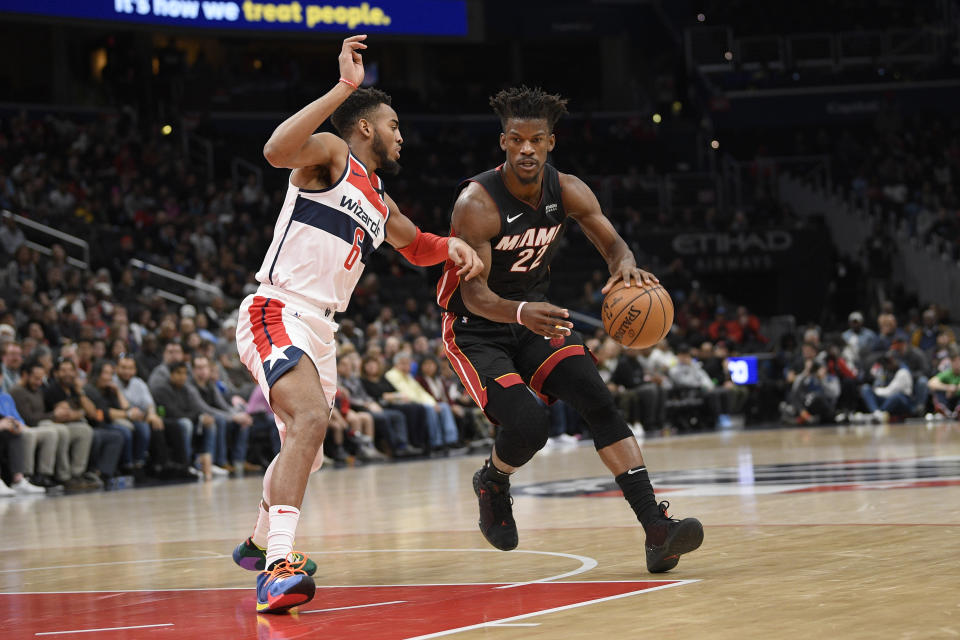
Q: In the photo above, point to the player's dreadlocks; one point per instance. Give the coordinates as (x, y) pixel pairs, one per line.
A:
(360, 104)
(525, 103)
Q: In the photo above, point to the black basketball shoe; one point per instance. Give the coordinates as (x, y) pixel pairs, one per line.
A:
(666, 542)
(496, 511)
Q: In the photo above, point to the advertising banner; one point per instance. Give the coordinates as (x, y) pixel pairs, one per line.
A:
(399, 17)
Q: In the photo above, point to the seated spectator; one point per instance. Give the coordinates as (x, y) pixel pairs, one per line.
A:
(385, 394)
(857, 337)
(887, 333)
(891, 392)
(813, 393)
(360, 430)
(641, 401)
(11, 440)
(945, 387)
(180, 406)
(441, 424)
(713, 358)
(688, 375)
(444, 390)
(144, 409)
(12, 359)
(390, 422)
(925, 336)
(115, 414)
(724, 328)
(148, 357)
(72, 440)
(172, 353)
(64, 396)
(232, 424)
(39, 443)
(751, 340)
(264, 428)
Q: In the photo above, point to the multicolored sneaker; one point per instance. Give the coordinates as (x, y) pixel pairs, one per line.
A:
(284, 586)
(665, 544)
(253, 558)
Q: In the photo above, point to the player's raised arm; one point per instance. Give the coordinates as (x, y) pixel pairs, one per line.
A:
(476, 222)
(293, 144)
(582, 205)
(425, 249)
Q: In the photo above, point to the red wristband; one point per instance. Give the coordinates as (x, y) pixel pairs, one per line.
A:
(349, 83)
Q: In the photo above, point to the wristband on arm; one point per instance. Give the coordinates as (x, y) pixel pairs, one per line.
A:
(519, 309)
(425, 250)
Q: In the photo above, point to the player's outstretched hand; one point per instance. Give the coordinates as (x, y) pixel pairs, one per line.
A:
(351, 62)
(464, 257)
(629, 274)
(546, 319)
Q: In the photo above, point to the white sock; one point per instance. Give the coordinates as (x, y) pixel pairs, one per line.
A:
(283, 526)
(259, 536)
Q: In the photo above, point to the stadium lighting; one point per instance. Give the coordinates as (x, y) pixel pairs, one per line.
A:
(166, 129)
(657, 119)
(714, 144)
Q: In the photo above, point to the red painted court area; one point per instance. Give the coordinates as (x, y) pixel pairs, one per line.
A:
(372, 613)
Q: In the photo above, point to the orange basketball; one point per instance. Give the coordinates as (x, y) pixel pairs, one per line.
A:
(637, 316)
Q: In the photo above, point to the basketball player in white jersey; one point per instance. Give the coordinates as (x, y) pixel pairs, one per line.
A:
(335, 214)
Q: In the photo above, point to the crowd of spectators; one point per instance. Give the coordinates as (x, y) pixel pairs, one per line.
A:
(104, 377)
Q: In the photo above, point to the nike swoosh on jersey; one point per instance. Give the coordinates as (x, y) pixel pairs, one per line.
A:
(512, 218)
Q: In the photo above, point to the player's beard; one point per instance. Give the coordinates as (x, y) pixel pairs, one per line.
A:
(534, 179)
(387, 164)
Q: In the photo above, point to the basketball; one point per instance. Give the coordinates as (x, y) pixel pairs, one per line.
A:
(638, 316)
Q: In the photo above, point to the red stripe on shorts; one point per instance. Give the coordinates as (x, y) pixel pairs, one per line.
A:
(545, 369)
(461, 364)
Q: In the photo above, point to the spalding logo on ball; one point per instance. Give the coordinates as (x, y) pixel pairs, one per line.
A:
(637, 316)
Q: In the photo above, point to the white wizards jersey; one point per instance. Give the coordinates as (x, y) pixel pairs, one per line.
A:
(323, 237)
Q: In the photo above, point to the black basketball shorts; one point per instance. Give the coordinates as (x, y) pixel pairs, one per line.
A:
(484, 353)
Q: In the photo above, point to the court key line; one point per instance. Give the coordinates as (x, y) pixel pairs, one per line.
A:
(495, 623)
(142, 626)
(586, 563)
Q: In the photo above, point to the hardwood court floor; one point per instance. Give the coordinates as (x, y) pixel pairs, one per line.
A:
(833, 532)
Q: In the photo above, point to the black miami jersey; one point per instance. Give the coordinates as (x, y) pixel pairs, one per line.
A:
(521, 253)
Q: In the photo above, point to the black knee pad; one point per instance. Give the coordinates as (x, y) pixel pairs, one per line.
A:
(577, 382)
(524, 423)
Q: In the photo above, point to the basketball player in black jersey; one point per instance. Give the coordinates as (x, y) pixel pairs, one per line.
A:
(502, 336)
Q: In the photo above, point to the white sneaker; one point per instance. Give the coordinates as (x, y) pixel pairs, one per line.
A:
(5, 491)
(566, 438)
(25, 487)
(218, 471)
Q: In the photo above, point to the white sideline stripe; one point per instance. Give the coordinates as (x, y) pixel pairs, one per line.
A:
(142, 626)
(540, 613)
(513, 624)
(356, 606)
(105, 564)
